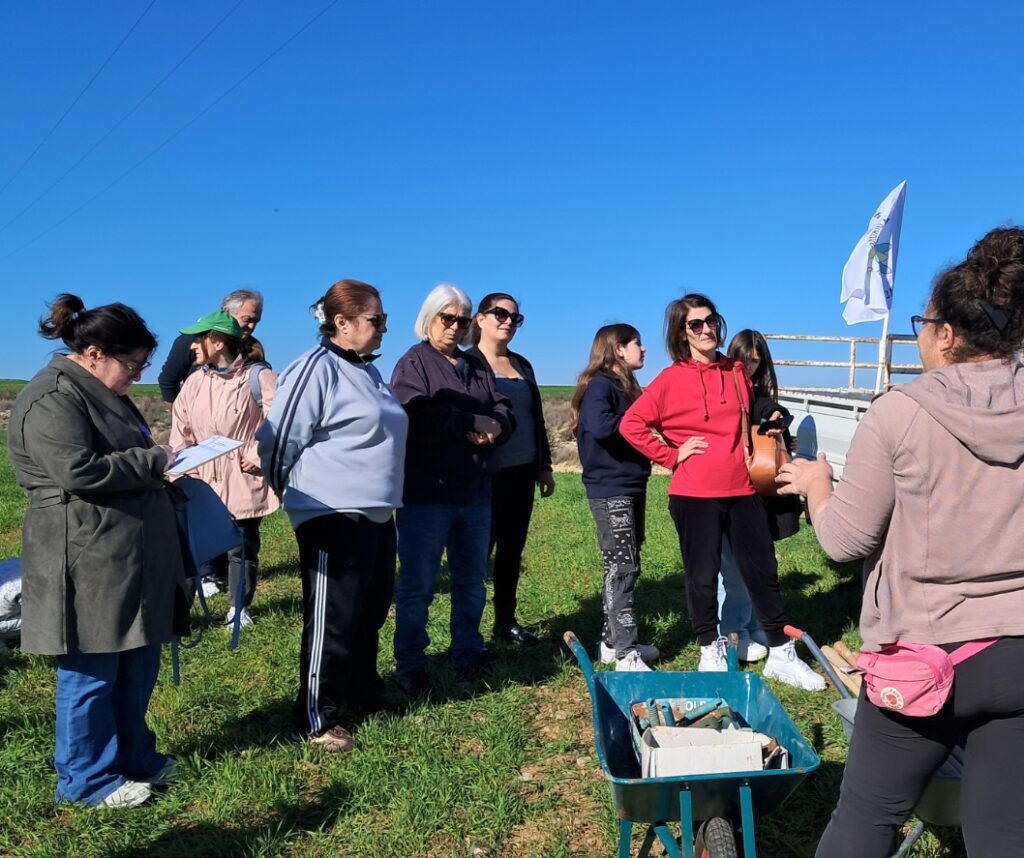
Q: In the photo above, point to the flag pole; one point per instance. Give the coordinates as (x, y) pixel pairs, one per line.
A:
(882, 351)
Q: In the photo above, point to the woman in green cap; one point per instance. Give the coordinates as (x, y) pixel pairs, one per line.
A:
(229, 395)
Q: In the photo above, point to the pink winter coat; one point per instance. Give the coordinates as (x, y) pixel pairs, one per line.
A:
(221, 403)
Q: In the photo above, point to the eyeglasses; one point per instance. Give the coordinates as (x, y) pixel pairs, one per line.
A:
(502, 315)
(915, 321)
(379, 321)
(697, 325)
(461, 322)
(132, 367)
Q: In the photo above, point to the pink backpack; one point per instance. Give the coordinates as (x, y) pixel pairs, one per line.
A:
(913, 679)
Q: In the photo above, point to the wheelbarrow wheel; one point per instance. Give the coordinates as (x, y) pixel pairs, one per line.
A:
(715, 839)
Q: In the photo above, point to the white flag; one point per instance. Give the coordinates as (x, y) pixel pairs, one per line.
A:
(870, 272)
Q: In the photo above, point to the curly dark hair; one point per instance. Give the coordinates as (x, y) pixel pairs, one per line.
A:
(982, 298)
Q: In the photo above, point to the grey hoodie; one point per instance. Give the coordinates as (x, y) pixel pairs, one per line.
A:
(932, 497)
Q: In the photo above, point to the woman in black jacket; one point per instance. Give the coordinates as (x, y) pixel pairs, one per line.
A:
(457, 418)
(523, 461)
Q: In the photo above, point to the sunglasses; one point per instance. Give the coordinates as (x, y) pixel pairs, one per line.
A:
(917, 321)
(697, 325)
(379, 321)
(132, 367)
(461, 322)
(502, 315)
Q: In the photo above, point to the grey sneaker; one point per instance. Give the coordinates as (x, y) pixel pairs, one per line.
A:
(166, 776)
(129, 794)
(336, 740)
(648, 652)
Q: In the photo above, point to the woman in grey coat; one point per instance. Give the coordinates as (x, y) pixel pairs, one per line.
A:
(102, 564)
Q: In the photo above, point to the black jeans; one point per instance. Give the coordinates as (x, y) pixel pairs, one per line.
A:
(893, 756)
(348, 577)
(512, 494)
(701, 523)
(620, 534)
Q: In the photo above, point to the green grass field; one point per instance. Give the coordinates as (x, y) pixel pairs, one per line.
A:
(505, 767)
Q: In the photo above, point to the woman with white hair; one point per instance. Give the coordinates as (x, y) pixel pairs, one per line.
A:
(456, 416)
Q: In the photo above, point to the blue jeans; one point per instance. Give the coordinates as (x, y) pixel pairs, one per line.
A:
(424, 533)
(735, 611)
(102, 738)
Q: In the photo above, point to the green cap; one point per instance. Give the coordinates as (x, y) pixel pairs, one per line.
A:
(220, 321)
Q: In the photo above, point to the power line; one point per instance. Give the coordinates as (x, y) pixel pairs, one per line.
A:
(78, 97)
(124, 118)
(180, 130)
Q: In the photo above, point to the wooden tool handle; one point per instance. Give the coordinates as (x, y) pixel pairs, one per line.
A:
(845, 652)
(851, 681)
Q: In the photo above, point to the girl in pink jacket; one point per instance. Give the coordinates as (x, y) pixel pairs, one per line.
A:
(221, 398)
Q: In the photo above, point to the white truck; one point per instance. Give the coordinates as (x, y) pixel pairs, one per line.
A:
(825, 418)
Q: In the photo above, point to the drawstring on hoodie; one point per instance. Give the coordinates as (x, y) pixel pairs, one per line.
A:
(704, 388)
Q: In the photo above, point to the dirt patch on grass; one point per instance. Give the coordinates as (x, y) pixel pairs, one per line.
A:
(562, 783)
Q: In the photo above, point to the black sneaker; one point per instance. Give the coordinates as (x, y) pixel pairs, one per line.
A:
(416, 683)
(482, 664)
(517, 636)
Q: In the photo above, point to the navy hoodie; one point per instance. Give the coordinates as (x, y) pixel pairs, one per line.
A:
(611, 466)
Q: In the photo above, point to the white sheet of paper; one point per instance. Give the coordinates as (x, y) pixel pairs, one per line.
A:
(199, 454)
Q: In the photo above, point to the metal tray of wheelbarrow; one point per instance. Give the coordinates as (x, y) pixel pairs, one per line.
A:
(658, 799)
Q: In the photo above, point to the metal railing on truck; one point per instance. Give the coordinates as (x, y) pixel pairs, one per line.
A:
(853, 362)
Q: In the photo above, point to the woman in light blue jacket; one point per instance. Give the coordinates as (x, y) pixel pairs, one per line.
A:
(333, 448)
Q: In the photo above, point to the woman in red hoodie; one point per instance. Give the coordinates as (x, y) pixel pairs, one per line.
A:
(695, 405)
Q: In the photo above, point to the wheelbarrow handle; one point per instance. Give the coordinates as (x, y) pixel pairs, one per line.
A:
(808, 641)
(578, 650)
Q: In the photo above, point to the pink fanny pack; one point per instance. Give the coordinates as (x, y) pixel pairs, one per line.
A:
(913, 679)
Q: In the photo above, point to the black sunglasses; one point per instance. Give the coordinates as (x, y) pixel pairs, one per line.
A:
(697, 325)
(379, 321)
(502, 315)
(916, 321)
(461, 322)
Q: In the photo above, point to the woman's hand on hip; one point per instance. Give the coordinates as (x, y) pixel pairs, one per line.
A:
(694, 446)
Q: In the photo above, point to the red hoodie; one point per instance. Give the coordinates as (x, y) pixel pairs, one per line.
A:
(692, 398)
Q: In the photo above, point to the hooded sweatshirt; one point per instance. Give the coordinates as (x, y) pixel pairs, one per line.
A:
(221, 403)
(691, 399)
(932, 497)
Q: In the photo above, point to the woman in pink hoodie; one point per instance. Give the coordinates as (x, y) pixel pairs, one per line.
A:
(695, 407)
(220, 399)
(932, 498)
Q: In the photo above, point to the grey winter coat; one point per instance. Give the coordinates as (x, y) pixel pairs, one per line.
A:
(101, 559)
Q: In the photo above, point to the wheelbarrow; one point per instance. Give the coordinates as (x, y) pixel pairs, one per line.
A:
(940, 803)
(724, 803)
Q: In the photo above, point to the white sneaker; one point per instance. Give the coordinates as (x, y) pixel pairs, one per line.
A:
(246, 620)
(784, 666)
(648, 652)
(210, 588)
(631, 661)
(129, 794)
(712, 657)
(749, 650)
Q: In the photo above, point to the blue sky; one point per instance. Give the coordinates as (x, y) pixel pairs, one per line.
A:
(595, 158)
